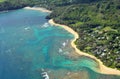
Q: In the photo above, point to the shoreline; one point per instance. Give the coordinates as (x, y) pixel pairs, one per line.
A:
(102, 68)
(38, 8)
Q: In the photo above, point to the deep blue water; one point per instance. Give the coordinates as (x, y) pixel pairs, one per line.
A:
(29, 45)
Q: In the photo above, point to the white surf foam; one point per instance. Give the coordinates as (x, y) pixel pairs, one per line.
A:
(45, 75)
(45, 25)
(60, 50)
(64, 44)
(42, 69)
(27, 28)
(66, 53)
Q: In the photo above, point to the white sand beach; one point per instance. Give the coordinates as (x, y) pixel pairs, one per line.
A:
(103, 69)
(38, 8)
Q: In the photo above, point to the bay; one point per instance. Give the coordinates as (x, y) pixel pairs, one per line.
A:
(30, 46)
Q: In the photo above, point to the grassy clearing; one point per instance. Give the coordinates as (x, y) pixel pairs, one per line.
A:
(2, 0)
(109, 29)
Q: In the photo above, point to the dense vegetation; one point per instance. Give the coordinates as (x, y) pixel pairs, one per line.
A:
(50, 4)
(96, 21)
(16, 4)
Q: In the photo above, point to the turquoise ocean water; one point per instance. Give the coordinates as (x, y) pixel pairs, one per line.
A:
(29, 46)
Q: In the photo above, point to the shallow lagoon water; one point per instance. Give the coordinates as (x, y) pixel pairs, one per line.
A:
(29, 46)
